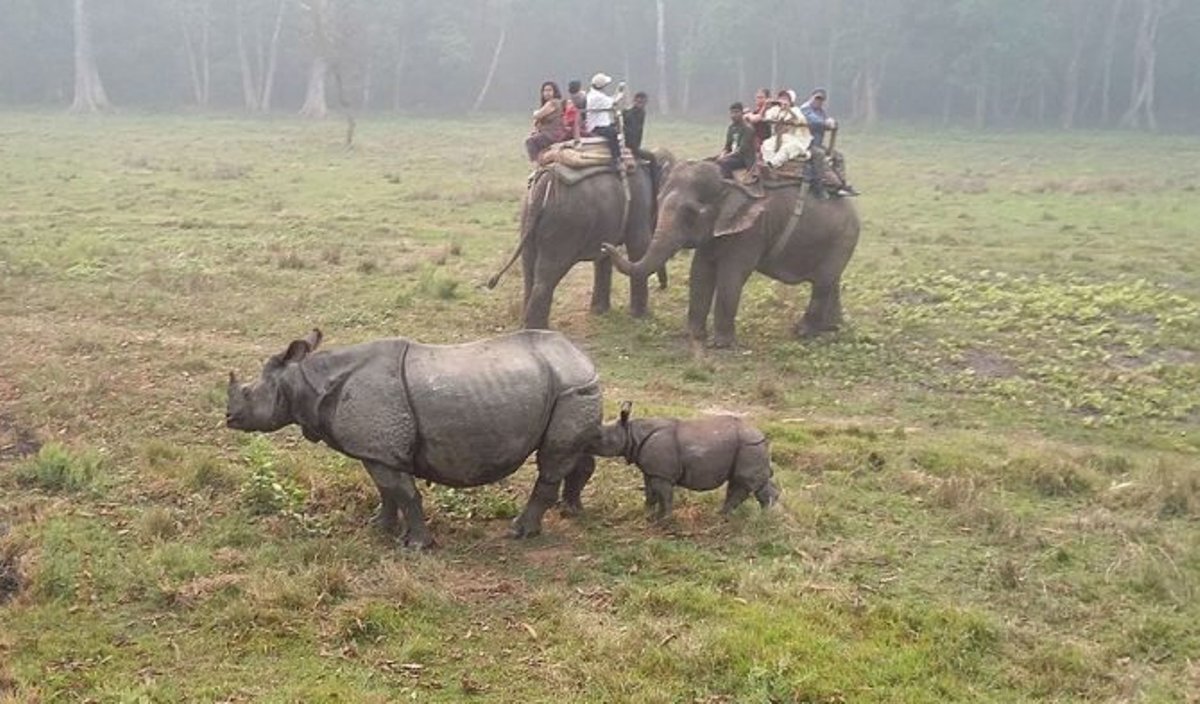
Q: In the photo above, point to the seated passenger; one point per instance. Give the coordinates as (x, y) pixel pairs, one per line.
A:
(548, 125)
(834, 171)
(578, 105)
(601, 121)
(757, 117)
(739, 143)
(790, 138)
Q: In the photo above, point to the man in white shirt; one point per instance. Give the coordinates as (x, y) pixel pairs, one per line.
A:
(601, 109)
(791, 137)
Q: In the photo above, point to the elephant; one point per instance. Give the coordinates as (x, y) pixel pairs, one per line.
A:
(699, 454)
(460, 415)
(563, 223)
(735, 232)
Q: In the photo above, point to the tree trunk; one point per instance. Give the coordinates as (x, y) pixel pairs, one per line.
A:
(264, 103)
(314, 99)
(205, 54)
(660, 55)
(367, 87)
(1145, 56)
(491, 72)
(198, 61)
(741, 76)
(401, 60)
(89, 91)
(774, 60)
(249, 94)
(1110, 49)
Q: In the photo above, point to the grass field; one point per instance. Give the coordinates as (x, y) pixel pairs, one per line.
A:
(991, 475)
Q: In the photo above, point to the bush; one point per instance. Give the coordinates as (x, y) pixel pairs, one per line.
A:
(58, 469)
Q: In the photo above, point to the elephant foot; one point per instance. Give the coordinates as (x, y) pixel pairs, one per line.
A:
(570, 508)
(600, 308)
(521, 529)
(388, 525)
(418, 540)
(639, 312)
(724, 342)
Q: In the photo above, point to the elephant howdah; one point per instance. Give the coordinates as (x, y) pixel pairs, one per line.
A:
(563, 224)
(699, 454)
(734, 233)
(460, 415)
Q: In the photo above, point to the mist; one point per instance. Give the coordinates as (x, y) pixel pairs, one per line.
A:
(1025, 64)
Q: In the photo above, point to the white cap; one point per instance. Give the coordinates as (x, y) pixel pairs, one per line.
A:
(601, 80)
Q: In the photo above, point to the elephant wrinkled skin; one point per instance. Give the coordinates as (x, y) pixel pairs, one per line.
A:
(735, 234)
(562, 225)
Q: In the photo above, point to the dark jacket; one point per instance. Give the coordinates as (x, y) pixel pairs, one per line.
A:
(739, 140)
(635, 123)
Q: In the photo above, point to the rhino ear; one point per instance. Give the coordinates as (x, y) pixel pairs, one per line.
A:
(738, 212)
(232, 378)
(626, 407)
(299, 349)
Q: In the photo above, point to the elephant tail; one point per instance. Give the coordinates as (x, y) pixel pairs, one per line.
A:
(527, 227)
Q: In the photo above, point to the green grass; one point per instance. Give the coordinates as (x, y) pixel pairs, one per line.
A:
(990, 476)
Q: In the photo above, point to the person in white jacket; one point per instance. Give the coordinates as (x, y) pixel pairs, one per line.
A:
(791, 137)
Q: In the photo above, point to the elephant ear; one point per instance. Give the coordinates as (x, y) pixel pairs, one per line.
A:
(738, 212)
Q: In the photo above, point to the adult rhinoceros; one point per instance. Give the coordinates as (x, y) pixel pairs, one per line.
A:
(460, 415)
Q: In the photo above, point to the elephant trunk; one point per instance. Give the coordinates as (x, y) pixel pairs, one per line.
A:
(662, 247)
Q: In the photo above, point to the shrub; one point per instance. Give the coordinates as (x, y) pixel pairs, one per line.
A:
(56, 468)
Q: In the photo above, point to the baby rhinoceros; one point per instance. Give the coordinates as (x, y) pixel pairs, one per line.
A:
(699, 454)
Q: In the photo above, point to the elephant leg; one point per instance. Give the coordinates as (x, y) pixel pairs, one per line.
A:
(817, 316)
(572, 496)
(703, 281)
(528, 261)
(386, 519)
(731, 277)
(546, 276)
(636, 244)
(601, 285)
(735, 494)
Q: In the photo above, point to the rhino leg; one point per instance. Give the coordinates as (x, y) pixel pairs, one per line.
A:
(572, 496)
(735, 494)
(664, 496)
(551, 472)
(398, 490)
(386, 520)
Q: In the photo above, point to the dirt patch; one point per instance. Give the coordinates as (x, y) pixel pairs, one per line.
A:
(16, 442)
(202, 589)
(971, 185)
(476, 586)
(988, 365)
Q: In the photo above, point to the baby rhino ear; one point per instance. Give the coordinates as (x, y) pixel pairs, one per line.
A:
(299, 349)
(626, 406)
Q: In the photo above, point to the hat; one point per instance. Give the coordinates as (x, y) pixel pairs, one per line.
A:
(601, 80)
(819, 91)
(791, 94)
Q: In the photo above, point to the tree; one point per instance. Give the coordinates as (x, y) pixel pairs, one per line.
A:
(89, 91)
(320, 14)
(504, 8)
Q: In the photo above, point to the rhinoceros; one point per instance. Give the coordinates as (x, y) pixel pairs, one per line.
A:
(460, 415)
(699, 454)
